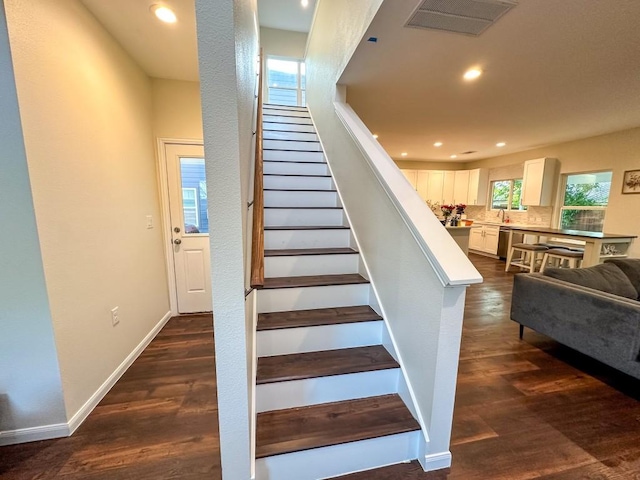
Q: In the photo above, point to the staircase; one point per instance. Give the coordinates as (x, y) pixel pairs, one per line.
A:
(327, 389)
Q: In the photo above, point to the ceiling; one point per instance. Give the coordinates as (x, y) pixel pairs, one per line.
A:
(162, 50)
(554, 71)
(286, 14)
(170, 50)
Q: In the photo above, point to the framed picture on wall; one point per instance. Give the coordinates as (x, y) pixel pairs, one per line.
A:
(631, 181)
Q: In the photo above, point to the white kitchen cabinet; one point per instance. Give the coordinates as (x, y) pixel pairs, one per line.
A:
(422, 184)
(461, 187)
(448, 187)
(436, 185)
(484, 239)
(538, 182)
(412, 176)
(478, 186)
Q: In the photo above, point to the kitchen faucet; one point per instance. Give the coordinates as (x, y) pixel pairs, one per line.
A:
(501, 211)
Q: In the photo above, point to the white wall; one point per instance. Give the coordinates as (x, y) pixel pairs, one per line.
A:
(617, 152)
(282, 43)
(177, 111)
(228, 45)
(86, 114)
(30, 384)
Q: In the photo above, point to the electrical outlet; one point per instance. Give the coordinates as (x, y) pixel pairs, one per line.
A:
(149, 221)
(114, 316)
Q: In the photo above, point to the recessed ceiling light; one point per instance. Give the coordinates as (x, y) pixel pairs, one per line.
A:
(472, 74)
(164, 14)
(304, 3)
(437, 144)
(375, 135)
(453, 156)
(403, 154)
(500, 144)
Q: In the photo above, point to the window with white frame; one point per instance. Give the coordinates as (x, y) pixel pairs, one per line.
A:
(507, 195)
(286, 82)
(585, 200)
(190, 206)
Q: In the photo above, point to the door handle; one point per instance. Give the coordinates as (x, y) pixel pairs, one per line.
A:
(177, 241)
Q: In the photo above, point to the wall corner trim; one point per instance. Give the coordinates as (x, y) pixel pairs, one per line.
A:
(436, 461)
(84, 411)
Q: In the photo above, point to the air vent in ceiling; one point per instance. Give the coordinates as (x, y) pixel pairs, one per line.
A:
(469, 17)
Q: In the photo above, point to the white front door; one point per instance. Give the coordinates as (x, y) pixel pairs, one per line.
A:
(189, 227)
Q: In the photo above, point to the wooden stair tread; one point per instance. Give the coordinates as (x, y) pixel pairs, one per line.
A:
(315, 426)
(298, 366)
(309, 251)
(405, 471)
(313, 281)
(299, 190)
(316, 317)
(307, 227)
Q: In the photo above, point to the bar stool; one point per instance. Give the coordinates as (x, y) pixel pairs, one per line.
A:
(573, 258)
(528, 256)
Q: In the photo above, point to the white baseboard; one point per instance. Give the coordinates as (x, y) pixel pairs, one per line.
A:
(84, 411)
(436, 461)
(34, 434)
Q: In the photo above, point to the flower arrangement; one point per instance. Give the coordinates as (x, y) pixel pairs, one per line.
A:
(447, 210)
(434, 206)
(460, 208)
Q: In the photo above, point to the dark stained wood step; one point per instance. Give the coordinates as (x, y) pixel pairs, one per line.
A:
(298, 190)
(308, 227)
(401, 471)
(313, 281)
(304, 428)
(307, 208)
(298, 366)
(294, 175)
(292, 252)
(316, 317)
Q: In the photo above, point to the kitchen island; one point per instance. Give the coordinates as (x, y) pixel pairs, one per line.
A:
(461, 236)
(594, 253)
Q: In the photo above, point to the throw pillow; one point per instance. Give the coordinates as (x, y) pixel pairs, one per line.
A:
(631, 268)
(606, 277)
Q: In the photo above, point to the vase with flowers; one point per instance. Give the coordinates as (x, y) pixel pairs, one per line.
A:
(447, 210)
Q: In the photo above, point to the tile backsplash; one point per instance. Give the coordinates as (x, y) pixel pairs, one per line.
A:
(533, 216)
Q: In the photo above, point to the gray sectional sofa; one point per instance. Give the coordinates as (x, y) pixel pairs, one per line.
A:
(594, 310)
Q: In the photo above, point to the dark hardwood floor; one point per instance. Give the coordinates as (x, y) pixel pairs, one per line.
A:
(529, 409)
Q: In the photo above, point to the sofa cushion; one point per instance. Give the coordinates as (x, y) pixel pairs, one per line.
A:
(631, 268)
(605, 277)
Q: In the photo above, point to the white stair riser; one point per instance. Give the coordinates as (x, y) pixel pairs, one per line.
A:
(305, 298)
(313, 339)
(285, 239)
(335, 388)
(292, 145)
(275, 135)
(328, 462)
(297, 183)
(286, 127)
(288, 112)
(285, 106)
(276, 198)
(291, 156)
(301, 265)
(295, 217)
(286, 119)
(288, 168)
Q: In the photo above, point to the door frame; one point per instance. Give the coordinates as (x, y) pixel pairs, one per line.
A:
(163, 184)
